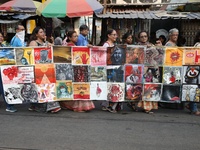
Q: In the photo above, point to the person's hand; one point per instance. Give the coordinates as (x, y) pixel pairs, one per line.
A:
(84, 58)
(90, 45)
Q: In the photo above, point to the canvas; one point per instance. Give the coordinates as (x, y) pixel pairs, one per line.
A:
(133, 73)
(62, 54)
(64, 71)
(133, 92)
(98, 56)
(172, 75)
(81, 55)
(173, 56)
(98, 90)
(171, 93)
(98, 73)
(7, 56)
(81, 91)
(115, 74)
(64, 90)
(152, 92)
(43, 55)
(24, 56)
(191, 93)
(135, 54)
(115, 92)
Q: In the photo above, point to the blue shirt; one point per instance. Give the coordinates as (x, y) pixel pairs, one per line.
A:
(16, 42)
(82, 40)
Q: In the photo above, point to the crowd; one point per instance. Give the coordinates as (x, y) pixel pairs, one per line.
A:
(38, 38)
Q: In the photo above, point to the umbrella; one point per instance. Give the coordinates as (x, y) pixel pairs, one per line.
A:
(18, 6)
(70, 8)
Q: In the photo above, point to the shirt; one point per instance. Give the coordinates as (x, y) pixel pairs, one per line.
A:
(16, 42)
(82, 40)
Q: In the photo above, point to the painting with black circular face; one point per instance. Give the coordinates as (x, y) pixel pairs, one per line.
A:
(116, 55)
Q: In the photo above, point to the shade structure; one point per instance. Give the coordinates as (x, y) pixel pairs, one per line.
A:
(70, 8)
(18, 6)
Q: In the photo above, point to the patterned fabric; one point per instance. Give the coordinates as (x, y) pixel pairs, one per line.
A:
(147, 105)
(78, 105)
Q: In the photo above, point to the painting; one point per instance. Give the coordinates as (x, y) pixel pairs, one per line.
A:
(64, 90)
(64, 72)
(62, 54)
(7, 56)
(81, 91)
(81, 55)
(191, 56)
(115, 92)
(191, 93)
(98, 90)
(152, 92)
(172, 75)
(45, 73)
(81, 73)
(133, 73)
(17, 74)
(116, 55)
(152, 74)
(154, 56)
(46, 92)
(115, 73)
(43, 55)
(191, 74)
(98, 56)
(173, 56)
(133, 92)
(135, 54)
(98, 73)
(171, 93)
(24, 56)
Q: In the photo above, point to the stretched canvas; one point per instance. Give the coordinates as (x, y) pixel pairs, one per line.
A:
(62, 54)
(98, 90)
(24, 56)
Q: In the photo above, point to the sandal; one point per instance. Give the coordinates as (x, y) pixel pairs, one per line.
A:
(149, 112)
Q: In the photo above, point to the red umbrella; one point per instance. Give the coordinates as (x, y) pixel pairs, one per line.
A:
(19, 6)
(70, 8)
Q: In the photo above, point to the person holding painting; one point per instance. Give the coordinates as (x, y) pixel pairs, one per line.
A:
(77, 105)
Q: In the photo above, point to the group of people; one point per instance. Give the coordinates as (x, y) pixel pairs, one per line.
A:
(38, 38)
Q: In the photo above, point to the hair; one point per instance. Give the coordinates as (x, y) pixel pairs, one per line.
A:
(142, 32)
(197, 36)
(57, 32)
(109, 31)
(33, 35)
(69, 35)
(17, 26)
(171, 31)
(125, 36)
(163, 37)
(83, 27)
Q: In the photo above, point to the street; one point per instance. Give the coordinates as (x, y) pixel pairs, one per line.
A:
(99, 130)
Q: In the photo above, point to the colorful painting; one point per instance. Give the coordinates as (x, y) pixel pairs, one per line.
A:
(191, 74)
(20, 93)
(64, 90)
(43, 55)
(62, 54)
(135, 54)
(152, 92)
(81, 73)
(116, 55)
(98, 90)
(153, 74)
(115, 73)
(191, 56)
(64, 72)
(81, 91)
(45, 73)
(81, 55)
(172, 75)
(171, 93)
(173, 56)
(133, 73)
(98, 56)
(46, 92)
(24, 56)
(191, 93)
(133, 92)
(98, 74)
(7, 56)
(17, 74)
(115, 92)
(154, 56)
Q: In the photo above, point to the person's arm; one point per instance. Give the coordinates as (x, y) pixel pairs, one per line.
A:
(33, 43)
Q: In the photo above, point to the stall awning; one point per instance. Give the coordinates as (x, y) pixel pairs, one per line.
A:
(151, 15)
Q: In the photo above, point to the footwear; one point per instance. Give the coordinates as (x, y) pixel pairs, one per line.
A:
(32, 108)
(104, 108)
(197, 113)
(11, 109)
(111, 110)
(187, 107)
(81, 111)
(149, 112)
(56, 110)
(132, 106)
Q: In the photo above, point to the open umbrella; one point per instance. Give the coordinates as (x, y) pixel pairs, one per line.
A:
(18, 6)
(70, 8)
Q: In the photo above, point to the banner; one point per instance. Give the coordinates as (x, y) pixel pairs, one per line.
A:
(117, 74)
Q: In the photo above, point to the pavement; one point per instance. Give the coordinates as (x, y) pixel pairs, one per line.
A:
(174, 129)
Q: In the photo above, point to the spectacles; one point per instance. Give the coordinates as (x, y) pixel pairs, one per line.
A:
(143, 36)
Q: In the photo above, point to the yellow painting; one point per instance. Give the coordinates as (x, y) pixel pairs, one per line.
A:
(81, 91)
(173, 56)
(24, 56)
